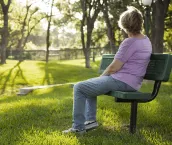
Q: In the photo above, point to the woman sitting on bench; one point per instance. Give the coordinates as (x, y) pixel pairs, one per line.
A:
(125, 73)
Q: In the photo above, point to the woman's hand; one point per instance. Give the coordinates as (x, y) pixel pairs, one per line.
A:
(115, 66)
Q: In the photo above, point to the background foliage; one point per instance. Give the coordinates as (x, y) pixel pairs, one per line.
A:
(28, 25)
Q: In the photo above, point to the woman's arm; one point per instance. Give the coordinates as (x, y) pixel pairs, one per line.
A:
(115, 66)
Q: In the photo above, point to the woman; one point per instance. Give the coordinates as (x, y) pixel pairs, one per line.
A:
(125, 73)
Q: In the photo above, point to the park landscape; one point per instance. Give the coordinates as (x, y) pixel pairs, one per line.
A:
(39, 117)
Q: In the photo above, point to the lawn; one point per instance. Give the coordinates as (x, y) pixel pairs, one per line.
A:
(39, 117)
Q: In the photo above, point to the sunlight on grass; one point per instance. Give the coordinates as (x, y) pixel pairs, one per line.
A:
(148, 107)
(153, 137)
(73, 62)
(35, 136)
(109, 119)
(81, 62)
(43, 91)
(168, 84)
(39, 117)
(15, 75)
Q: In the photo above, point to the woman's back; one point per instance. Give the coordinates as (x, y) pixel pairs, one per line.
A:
(135, 54)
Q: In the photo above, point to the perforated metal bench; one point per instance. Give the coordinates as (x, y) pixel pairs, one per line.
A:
(158, 70)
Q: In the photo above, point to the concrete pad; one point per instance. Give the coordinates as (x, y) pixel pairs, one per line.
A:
(26, 90)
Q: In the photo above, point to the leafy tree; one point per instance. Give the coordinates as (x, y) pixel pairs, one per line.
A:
(69, 20)
(110, 27)
(90, 11)
(49, 19)
(168, 30)
(23, 22)
(158, 15)
(111, 11)
(31, 19)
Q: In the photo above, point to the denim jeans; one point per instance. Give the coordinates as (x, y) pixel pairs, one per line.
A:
(85, 97)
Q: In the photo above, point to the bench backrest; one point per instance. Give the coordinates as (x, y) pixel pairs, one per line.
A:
(106, 60)
(159, 67)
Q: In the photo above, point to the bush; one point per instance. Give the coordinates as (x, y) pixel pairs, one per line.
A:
(27, 55)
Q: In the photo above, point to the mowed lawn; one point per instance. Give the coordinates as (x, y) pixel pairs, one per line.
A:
(39, 117)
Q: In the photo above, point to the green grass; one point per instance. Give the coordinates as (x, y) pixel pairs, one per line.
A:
(15, 75)
(39, 117)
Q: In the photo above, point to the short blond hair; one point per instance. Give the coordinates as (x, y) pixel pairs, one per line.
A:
(131, 20)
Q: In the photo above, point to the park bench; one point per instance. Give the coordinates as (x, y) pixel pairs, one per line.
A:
(158, 70)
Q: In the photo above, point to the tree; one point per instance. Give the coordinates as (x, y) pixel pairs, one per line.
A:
(23, 22)
(49, 19)
(160, 8)
(168, 30)
(90, 11)
(111, 11)
(110, 28)
(31, 19)
(158, 16)
(4, 33)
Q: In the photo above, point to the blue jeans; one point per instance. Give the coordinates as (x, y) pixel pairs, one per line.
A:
(85, 97)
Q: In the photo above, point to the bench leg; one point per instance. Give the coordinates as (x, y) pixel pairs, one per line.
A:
(133, 117)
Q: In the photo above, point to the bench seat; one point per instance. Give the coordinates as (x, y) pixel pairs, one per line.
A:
(130, 95)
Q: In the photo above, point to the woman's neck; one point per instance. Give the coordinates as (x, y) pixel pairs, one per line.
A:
(139, 35)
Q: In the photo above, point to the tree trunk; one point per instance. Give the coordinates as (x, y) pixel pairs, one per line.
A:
(87, 60)
(48, 33)
(4, 35)
(88, 43)
(89, 18)
(110, 30)
(20, 41)
(48, 42)
(159, 11)
(84, 47)
(4, 42)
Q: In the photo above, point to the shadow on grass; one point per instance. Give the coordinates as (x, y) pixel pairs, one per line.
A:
(46, 118)
(156, 116)
(103, 136)
(52, 112)
(56, 73)
(11, 72)
(55, 115)
(48, 111)
(24, 121)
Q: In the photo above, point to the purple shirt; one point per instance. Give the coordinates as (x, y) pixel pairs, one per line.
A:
(135, 54)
